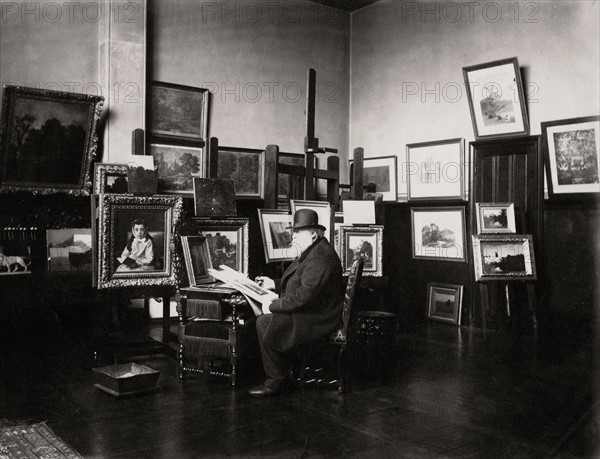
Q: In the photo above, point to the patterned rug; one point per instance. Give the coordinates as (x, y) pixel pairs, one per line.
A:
(33, 441)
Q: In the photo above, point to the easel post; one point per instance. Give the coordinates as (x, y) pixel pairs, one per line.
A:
(271, 179)
(357, 173)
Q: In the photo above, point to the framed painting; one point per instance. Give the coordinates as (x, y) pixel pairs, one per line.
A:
(110, 178)
(15, 257)
(178, 112)
(69, 249)
(323, 210)
(502, 257)
(383, 173)
(276, 235)
(134, 239)
(438, 233)
(176, 166)
(365, 242)
(48, 140)
(570, 149)
(435, 170)
(246, 167)
(495, 217)
(227, 241)
(496, 99)
(444, 302)
(197, 260)
(214, 197)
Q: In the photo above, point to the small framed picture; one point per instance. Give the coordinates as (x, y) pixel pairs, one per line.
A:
(227, 241)
(134, 240)
(495, 217)
(276, 235)
(438, 233)
(214, 197)
(444, 302)
(435, 170)
(383, 173)
(176, 166)
(496, 99)
(69, 249)
(365, 242)
(110, 178)
(502, 257)
(197, 260)
(15, 257)
(48, 140)
(178, 112)
(323, 210)
(570, 149)
(246, 167)
(338, 221)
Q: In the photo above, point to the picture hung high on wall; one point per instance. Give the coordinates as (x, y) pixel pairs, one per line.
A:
(495, 217)
(323, 210)
(504, 257)
(246, 168)
(444, 302)
(496, 99)
(435, 170)
(176, 165)
(134, 239)
(365, 242)
(69, 249)
(383, 173)
(571, 149)
(227, 241)
(178, 112)
(438, 233)
(48, 140)
(110, 178)
(275, 227)
(197, 260)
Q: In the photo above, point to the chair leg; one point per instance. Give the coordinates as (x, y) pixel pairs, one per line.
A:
(341, 369)
(180, 371)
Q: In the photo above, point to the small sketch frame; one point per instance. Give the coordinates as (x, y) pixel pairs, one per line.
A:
(115, 216)
(48, 140)
(323, 210)
(110, 178)
(246, 166)
(383, 172)
(197, 260)
(363, 241)
(495, 217)
(69, 249)
(178, 112)
(504, 258)
(435, 170)
(438, 233)
(276, 235)
(15, 257)
(227, 240)
(444, 302)
(496, 99)
(176, 165)
(571, 151)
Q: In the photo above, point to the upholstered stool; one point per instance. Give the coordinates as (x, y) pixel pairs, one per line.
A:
(374, 342)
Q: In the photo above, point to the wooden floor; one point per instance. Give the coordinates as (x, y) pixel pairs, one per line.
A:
(451, 394)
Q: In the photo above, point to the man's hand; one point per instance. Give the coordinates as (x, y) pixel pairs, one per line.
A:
(265, 282)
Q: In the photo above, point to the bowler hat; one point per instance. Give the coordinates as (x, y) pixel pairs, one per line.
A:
(306, 218)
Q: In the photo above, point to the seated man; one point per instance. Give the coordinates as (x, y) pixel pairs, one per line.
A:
(309, 306)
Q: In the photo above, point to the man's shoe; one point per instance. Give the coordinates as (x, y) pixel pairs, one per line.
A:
(263, 391)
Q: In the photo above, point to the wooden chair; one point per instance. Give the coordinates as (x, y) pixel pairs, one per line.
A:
(336, 345)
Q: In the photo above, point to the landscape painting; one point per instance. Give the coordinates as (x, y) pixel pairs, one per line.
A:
(69, 249)
(176, 166)
(439, 233)
(499, 257)
(245, 167)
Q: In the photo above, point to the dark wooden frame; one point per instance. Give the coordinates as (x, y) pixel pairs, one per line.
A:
(193, 278)
(93, 105)
(521, 110)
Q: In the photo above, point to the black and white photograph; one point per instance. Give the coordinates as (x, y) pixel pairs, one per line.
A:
(399, 201)
(69, 249)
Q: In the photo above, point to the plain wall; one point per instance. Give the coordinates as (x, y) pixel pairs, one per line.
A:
(407, 57)
(254, 58)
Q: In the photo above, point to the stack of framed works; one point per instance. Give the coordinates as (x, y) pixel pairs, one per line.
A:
(571, 150)
(48, 140)
(178, 123)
